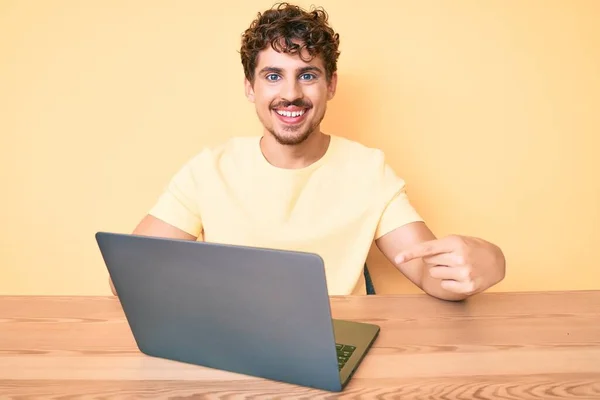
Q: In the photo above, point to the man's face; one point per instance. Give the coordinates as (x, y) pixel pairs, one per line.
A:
(290, 95)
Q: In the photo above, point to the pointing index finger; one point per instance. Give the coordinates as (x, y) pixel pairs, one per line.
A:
(424, 249)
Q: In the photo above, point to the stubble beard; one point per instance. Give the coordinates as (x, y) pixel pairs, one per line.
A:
(294, 140)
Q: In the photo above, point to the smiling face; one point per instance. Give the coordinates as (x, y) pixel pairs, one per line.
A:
(290, 95)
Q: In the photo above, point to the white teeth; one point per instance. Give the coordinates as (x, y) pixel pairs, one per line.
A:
(292, 114)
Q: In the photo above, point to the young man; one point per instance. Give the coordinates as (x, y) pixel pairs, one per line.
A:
(295, 187)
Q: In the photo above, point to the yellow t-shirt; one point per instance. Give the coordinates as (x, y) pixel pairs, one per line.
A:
(334, 207)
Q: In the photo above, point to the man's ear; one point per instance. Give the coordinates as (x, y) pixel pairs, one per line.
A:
(331, 87)
(249, 90)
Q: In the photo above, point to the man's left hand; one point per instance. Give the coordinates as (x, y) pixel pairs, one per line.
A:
(465, 265)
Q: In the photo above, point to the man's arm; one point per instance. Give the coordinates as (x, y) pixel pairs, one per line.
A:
(451, 268)
(415, 270)
(152, 226)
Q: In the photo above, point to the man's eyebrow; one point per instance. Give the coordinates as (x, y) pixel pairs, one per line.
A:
(303, 70)
(311, 68)
(271, 70)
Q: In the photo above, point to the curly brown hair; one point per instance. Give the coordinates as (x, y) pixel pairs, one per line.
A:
(284, 23)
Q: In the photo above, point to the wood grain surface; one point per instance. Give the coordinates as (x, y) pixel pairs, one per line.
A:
(493, 346)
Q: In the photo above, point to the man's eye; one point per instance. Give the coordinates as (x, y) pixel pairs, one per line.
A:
(307, 77)
(272, 77)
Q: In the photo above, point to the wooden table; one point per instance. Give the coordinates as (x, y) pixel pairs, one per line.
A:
(493, 346)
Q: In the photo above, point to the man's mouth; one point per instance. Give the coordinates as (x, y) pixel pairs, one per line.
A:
(291, 115)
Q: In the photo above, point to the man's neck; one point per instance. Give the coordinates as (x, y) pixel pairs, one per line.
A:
(294, 156)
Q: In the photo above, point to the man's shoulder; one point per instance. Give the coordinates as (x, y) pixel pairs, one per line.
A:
(233, 147)
(364, 168)
(353, 152)
(354, 145)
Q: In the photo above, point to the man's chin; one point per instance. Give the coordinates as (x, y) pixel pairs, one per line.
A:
(290, 138)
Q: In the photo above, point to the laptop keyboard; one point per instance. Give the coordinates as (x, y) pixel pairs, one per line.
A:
(344, 352)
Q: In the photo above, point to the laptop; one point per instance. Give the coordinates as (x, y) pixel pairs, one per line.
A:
(253, 311)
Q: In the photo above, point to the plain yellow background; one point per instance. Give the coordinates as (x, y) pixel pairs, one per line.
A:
(488, 109)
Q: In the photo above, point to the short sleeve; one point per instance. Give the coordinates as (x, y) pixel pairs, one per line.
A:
(398, 210)
(178, 204)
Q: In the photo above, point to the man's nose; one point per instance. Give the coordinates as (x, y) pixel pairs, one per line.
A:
(291, 90)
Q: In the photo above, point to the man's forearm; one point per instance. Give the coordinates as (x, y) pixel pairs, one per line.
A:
(433, 287)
